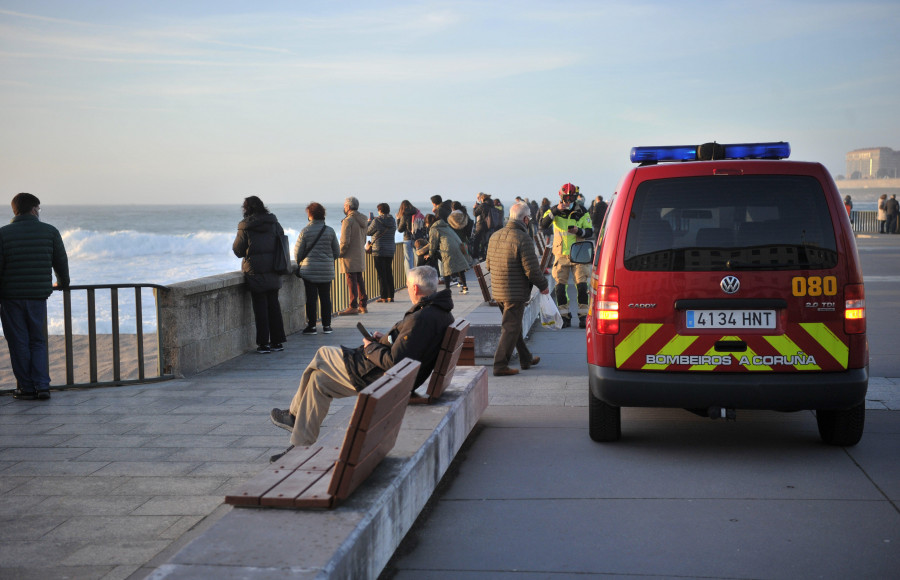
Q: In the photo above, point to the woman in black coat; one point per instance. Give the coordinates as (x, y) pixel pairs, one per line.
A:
(258, 238)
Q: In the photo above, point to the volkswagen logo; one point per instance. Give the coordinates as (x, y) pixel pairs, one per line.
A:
(730, 284)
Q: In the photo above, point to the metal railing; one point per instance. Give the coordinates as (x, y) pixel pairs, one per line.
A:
(90, 291)
(340, 294)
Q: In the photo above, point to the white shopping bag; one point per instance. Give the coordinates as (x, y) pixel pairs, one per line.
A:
(550, 316)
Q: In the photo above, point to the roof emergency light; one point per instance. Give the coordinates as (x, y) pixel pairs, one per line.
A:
(711, 151)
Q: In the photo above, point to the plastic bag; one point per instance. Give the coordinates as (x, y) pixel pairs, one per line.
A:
(550, 316)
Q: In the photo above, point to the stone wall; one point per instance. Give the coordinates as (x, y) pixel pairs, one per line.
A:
(209, 320)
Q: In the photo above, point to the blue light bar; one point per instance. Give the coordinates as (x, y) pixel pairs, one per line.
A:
(779, 150)
(775, 150)
(665, 153)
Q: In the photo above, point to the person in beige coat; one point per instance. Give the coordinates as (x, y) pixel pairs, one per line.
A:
(353, 256)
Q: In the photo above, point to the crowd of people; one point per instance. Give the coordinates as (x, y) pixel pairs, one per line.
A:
(450, 238)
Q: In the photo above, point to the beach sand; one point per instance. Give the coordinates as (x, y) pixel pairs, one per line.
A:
(128, 359)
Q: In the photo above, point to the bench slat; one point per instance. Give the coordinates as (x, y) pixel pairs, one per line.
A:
(354, 475)
(448, 358)
(299, 483)
(251, 491)
(369, 439)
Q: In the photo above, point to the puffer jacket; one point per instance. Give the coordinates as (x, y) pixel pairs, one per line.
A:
(418, 336)
(382, 228)
(513, 264)
(405, 224)
(317, 265)
(30, 251)
(442, 238)
(256, 243)
(461, 224)
(353, 242)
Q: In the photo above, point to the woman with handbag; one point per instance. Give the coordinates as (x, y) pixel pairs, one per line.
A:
(383, 228)
(315, 251)
(257, 242)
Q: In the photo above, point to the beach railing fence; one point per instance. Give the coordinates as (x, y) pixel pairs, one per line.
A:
(115, 336)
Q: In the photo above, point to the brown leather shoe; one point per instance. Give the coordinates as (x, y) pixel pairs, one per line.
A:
(382, 300)
(534, 361)
(507, 372)
(363, 310)
(348, 310)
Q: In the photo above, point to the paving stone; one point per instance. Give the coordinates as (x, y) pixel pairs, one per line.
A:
(31, 526)
(110, 529)
(147, 468)
(116, 552)
(101, 505)
(175, 486)
(199, 505)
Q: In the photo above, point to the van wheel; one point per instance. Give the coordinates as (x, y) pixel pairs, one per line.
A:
(844, 428)
(605, 420)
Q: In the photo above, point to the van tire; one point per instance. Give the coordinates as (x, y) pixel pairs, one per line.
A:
(844, 427)
(605, 421)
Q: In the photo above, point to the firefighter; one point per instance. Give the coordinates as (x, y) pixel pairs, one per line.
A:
(571, 223)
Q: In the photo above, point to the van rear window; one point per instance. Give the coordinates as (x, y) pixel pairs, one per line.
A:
(710, 223)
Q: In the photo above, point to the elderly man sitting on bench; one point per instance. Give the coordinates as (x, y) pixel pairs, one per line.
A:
(337, 372)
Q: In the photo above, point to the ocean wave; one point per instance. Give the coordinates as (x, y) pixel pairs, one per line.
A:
(90, 245)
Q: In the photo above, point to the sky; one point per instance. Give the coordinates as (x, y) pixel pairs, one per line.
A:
(172, 102)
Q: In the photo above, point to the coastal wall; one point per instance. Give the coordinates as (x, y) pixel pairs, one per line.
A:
(209, 320)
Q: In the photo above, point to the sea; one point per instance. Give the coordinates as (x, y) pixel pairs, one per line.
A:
(156, 244)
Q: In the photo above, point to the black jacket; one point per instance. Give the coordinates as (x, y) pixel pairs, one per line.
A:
(256, 243)
(30, 251)
(417, 336)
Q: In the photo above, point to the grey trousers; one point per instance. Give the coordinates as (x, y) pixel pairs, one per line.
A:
(511, 336)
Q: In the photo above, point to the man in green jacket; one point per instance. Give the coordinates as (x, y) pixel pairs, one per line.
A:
(29, 250)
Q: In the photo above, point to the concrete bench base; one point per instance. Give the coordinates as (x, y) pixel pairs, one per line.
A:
(485, 324)
(358, 538)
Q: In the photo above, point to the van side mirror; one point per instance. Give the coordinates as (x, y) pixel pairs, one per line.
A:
(582, 252)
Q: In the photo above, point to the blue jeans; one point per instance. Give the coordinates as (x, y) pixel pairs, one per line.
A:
(410, 253)
(25, 326)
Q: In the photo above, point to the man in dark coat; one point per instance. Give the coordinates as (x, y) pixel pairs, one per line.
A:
(598, 210)
(514, 267)
(29, 250)
(892, 208)
(338, 371)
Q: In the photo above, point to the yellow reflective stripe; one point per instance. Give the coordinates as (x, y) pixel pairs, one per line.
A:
(676, 346)
(748, 354)
(834, 345)
(710, 352)
(631, 343)
(788, 348)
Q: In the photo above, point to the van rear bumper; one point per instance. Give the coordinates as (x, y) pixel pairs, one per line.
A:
(774, 391)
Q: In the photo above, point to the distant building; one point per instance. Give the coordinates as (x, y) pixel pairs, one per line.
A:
(873, 163)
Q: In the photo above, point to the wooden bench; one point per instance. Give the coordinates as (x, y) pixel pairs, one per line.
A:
(323, 474)
(481, 272)
(545, 258)
(445, 364)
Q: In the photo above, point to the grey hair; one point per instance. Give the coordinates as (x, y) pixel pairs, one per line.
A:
(352, 202)
(425, 277)
(519, 211)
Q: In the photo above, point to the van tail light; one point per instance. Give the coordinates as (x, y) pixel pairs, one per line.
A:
(854, 309)
(606, 310)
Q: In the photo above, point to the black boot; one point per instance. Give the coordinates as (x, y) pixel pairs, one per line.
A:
(582, 322)
(567, 321)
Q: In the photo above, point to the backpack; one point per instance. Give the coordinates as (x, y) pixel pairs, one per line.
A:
(417, 226)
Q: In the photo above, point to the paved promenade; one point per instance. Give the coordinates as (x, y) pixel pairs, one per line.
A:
(108, 483)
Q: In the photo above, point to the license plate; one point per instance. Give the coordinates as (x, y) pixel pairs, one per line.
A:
(730, 319)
